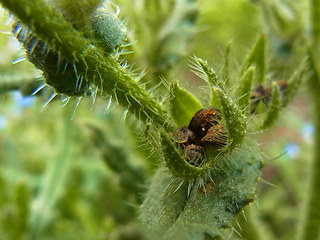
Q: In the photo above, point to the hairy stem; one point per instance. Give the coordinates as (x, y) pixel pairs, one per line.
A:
(102, 70)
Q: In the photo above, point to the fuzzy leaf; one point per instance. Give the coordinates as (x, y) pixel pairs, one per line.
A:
(167, 212)
(236, 121)
(274, 108)
(244, 88)
(183, 105)
(177, 165)
(294, 83)
(256, 58)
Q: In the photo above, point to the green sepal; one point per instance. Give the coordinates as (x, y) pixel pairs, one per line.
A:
(235, 120)
(214, 99)
(244, 88)
(256, 58)
(177, 165)
(274, 108)
(183, 105)
(207, 73)
(294, 83)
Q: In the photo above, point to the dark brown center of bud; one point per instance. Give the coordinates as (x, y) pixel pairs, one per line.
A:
(205, 129)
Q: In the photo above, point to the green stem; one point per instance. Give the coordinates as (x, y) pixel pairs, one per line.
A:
(250, 225)
(315, 20)
(54, 180)
(311, 225)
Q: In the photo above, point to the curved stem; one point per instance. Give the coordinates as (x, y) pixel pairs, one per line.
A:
(311, 225)
(102, 70)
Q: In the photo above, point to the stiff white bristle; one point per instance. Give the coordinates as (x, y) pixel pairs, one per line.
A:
(38, 89)
(76, 106)
(19, 60)
(49, 100)
(65, 102)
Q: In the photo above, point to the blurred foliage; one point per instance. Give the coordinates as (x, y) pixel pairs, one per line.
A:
(85, 178)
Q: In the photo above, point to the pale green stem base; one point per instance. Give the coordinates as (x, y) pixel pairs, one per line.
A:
(311, 225)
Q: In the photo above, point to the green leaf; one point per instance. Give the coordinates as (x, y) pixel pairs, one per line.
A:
(183, 105)
(177, 165)
(256, 58)
(169, 212)
(236, 121)
(244, 88)
(274, 108)
(163, 204)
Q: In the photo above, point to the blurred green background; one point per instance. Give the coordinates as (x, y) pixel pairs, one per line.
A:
(85, 178)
